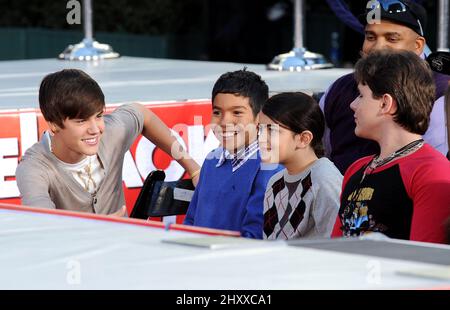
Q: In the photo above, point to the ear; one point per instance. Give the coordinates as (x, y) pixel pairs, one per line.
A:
(303, 139)
(419, 45)
(53, 128)
(388, 104)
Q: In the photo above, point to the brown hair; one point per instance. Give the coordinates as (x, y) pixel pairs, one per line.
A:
(69, 93)
(407, 78)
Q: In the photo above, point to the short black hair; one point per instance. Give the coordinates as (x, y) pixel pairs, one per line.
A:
(243, 83)
(298, 112)
(69, 93)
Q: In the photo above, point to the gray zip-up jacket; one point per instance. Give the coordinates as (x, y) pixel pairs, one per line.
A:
(44, 183)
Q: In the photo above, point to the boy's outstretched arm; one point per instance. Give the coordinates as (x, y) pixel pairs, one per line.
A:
(157, 132)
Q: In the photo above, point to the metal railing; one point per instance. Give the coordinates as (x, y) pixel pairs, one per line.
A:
(88, 49)
(299, 58)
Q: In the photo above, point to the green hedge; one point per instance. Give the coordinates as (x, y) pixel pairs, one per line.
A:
(31, 43)
(131, 16)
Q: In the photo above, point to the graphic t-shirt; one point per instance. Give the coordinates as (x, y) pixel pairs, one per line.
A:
(408, 198)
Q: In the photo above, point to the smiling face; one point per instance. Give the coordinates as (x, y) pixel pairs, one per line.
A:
(233, 121)
(79, 138)
(391, 35)
(276, 143)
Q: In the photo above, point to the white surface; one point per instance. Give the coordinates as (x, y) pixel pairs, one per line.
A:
(147, 79)
(40, 251)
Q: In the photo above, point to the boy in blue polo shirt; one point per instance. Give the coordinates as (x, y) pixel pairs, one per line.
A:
(230, 191)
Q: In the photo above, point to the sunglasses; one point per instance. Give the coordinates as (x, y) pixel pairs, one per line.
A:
(393, 7)
(389, 6)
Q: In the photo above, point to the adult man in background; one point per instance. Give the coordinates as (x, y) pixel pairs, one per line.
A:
(389, 24)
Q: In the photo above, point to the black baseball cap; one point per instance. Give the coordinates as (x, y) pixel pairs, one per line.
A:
(403, 12)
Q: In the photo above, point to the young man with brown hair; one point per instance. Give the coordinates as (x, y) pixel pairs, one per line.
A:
(401, 26)
(77, 165)
(404, 190)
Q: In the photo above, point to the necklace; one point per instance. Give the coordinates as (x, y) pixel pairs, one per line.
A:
(85, 175)
(405, 150)
(89, 180)
(352, 207)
